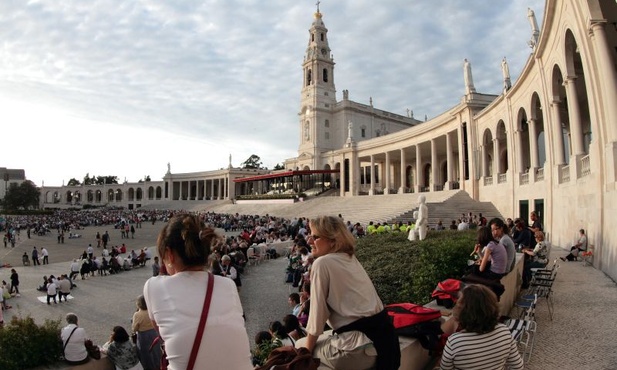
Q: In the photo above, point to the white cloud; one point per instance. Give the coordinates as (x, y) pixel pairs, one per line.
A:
(189, 82)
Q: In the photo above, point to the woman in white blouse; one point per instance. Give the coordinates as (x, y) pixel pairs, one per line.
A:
(343, 295)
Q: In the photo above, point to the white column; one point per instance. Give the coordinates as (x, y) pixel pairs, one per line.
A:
(418, 168)
(342, 177)
(483, 161)
(576, 131)
(607, 71)
(372, 178)
(461, 157)
(434, 165)
(225, 188)
(212, 189)
(496, 164)
(519, 151)
(449, 159)
(558, 149)
(533, 144)
(387, 174)
(401, 190)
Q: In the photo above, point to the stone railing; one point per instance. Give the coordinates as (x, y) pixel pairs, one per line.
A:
(540, 174)
(502, 178)
(524, 179)
(488, 180)
(585, 166)
(564, 174)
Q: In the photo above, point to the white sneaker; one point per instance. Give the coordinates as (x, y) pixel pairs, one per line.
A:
(17, 295)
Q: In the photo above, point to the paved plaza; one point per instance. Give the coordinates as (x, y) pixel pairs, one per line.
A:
(579, 337)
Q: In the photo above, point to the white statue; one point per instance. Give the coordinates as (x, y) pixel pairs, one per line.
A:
(469, 88)
(505, 71)
(168, 167)
(422, 220)
(413, 230)
(349, 132)
(535, 32)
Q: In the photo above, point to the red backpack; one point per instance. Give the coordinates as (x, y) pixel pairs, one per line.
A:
(412, 320)
(407, 314)
(446, 293)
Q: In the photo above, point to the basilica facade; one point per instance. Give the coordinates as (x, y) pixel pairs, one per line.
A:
(548, 143)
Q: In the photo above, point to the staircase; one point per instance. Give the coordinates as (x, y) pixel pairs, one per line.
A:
(452, 208)
(445, 205)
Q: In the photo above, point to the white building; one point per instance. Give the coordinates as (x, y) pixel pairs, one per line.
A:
(548, 143)
(10, 176)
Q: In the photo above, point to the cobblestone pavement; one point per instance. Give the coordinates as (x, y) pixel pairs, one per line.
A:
(580, 336)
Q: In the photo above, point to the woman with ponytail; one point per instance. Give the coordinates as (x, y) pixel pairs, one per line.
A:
(175, 301)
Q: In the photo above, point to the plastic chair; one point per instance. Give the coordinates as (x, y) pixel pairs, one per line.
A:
(253, 258)
(587, 256)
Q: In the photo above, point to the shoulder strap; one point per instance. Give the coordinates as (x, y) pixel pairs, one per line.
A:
(202, 322)
(67, 339)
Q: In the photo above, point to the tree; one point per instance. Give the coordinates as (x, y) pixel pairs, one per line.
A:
(88, 180)
(253, 162)
(23, 196)
(278, 166)
(73, 182)
(100, 180)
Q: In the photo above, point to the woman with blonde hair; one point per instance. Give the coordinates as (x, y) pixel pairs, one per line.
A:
(343, 295)
(176, 301)
(483, 343)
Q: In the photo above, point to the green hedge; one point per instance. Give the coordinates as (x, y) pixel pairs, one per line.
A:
(405, 271)
(24, 344)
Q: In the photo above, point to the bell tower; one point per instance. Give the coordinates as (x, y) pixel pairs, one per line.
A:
(318, 95)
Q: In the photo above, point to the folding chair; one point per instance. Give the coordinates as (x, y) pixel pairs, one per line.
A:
(542, 286)
(524, 329)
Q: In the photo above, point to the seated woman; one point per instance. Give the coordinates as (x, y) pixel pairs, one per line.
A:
(293, 328)
(73, 341)
(175, 302)
(43, 287)
(483, 343)
(493, 255)
(538, 258)
(278, 332)
(359, 320)
(120, 350)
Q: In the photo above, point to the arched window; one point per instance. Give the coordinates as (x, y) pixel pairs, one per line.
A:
(327, 123)
(322, 37)
(309, 76)
(325, 75)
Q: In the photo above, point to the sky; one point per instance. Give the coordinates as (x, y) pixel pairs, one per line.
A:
(122, 88)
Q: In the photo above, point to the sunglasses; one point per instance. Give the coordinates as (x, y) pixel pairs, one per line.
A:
(315, 237)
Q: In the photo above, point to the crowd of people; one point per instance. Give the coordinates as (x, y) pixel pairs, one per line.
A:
(322, 265)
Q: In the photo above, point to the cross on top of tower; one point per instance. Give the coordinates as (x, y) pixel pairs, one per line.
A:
(318, 13)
